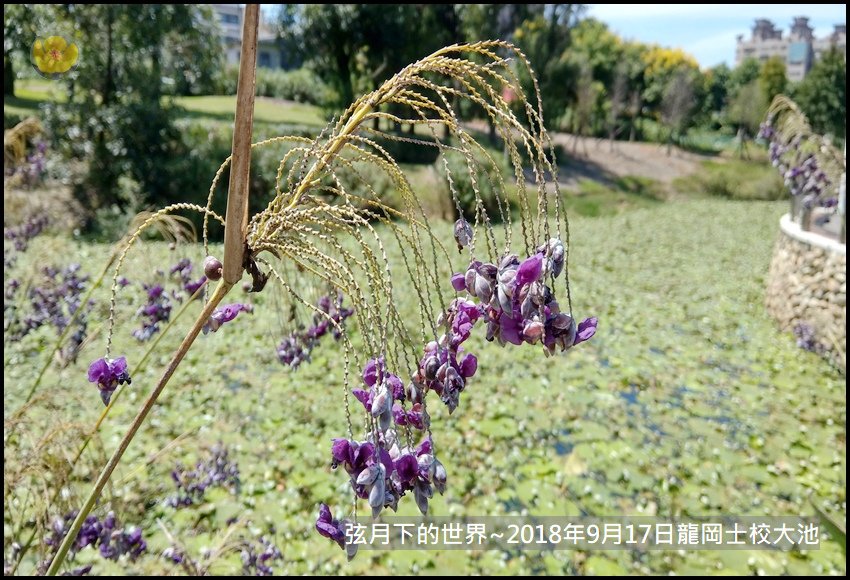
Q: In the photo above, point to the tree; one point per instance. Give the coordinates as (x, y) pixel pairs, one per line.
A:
(677, 105)
(661, 66)
(115, 107)
(746, 112)
(21, 24)
(823, 94)
(743, 74)
(355, 47)
(772, 78)
(716, 92)
(617, 102)
(546, 38)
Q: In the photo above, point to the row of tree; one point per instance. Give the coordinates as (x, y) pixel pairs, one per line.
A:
(591, 80)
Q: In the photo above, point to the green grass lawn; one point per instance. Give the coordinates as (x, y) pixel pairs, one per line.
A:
(687, 402)
(266, 110)
(29, 94)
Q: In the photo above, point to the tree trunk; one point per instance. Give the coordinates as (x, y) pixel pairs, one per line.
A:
(108, 81)
(8, 75)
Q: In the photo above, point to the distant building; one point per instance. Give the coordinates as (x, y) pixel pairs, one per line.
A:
(269, 51)
(799, 49)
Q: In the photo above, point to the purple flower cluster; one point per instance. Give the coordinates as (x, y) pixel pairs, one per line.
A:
(518, 306)
(256, 559)
(33, 167)
(295, 348)
(107, 374)
(183, 272)
(384, 472)
(112, 540)
(803, 176)
(224, 315)
(53, 301)
(155, 311)
(192, 484)
(807, 339)
(21, 235)
(382, 469)
(442, 369)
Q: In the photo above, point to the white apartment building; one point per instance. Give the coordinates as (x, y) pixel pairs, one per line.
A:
(230, 19)
(799, 49)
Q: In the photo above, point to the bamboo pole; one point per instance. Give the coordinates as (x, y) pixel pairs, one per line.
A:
(236, 226)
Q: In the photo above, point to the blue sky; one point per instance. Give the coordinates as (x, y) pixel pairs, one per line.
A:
(708, 31)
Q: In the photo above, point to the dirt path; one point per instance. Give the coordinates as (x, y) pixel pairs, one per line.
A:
(596, 159)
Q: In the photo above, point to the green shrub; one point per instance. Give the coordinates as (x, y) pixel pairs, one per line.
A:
(487, 177)
(412, 153)
(300, 85)
(734, 179)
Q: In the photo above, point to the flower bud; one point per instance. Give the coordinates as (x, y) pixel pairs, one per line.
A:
(431, 367)
(439, 476)
(533, 331)
(367, 476)
(212, 268)
(463, 233)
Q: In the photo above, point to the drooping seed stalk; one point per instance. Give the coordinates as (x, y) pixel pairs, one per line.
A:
(235, 226)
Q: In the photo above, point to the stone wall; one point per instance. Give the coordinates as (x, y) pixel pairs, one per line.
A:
(807, 284)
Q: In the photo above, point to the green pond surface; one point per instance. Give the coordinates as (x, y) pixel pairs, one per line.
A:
(687, 402)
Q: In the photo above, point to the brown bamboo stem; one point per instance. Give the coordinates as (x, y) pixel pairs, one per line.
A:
(236, 226)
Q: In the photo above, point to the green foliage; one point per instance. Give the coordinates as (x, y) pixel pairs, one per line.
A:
(115, 120)
(596, 199)
(743, 74)
(407, 152)
(735, 179)
(355, 47)
(300, 85)
(747, 108)
(823, 94)
(22, 23)
(545, 38)
(486, 182)
(772, 78)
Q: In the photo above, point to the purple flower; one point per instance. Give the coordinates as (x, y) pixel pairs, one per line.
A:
(468, 366)
(373, 371)
(329, 527)
(225, 314)
(530, 270)
(459, 282)
(108, 374)
(156, 310)
(407, 468)
(586, 329)
(192, 287)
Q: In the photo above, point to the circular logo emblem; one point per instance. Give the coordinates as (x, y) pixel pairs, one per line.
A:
(53, 56)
